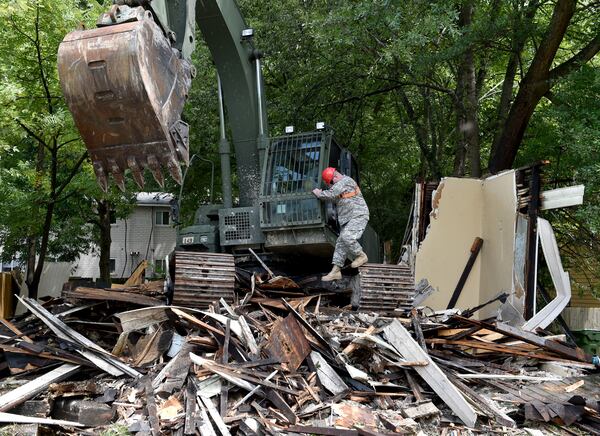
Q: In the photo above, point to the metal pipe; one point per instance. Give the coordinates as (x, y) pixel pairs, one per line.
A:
(221, 110)
(261, 126)
(224, 152)
(262, 142)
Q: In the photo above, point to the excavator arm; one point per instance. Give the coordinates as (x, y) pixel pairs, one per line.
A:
(126, 83)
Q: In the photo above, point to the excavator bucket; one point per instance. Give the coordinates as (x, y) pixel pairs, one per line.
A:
(126, 87)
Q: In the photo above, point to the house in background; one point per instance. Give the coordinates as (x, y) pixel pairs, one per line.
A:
(146, 234)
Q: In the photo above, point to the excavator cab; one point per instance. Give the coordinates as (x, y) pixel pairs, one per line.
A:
(292, 219)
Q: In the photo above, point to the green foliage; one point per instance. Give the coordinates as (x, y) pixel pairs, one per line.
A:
(384, 74)
(41, 171)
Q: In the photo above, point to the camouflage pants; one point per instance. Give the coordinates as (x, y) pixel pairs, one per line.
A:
(347, 245)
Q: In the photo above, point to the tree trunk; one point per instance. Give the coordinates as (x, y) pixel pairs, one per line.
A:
(421, 135)
(467, 105)
(519, 37)
(31, 257)
(104, 210)
(34, 284)
(532, 88)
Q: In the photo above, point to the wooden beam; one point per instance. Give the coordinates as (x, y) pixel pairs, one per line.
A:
(35, 386)
(401, 339)
(475, 249)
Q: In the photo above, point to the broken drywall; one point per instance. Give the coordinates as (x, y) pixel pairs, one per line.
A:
(442, 255)
(464, 209)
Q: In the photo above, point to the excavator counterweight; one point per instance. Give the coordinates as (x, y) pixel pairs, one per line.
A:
(126, 86)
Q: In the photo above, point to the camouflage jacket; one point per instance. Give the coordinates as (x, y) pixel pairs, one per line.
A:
(347, 208)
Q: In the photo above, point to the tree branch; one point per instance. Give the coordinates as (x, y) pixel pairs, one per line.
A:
(74, 171)
(40, 61)
(584, 55)
(19, 31)
(61, 145)
(32, 133)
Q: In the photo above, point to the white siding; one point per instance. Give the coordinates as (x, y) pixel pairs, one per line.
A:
(134, 239)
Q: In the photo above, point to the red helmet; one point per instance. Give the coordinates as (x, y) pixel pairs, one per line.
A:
(327, 175)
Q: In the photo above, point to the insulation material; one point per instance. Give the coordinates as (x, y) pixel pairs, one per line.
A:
(464, 209)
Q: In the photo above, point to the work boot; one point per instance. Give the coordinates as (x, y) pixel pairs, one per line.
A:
(360, 260)
(334, 274)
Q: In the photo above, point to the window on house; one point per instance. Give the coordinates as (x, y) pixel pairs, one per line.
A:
(162, 218)
(113, 266)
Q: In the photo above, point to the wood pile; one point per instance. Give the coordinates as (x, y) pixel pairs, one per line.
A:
(285, 366)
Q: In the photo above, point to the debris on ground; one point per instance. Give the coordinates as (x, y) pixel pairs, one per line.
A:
(272, 365)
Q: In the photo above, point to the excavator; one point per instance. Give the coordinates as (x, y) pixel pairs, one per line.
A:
(126, 83)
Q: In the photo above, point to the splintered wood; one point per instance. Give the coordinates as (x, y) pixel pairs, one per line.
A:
(276, 365)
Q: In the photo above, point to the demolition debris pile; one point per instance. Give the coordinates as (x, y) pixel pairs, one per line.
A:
(293, 365)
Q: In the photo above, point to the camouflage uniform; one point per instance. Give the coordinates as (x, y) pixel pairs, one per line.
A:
(353, 216)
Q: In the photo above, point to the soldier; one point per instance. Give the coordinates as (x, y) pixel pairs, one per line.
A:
(353, 216)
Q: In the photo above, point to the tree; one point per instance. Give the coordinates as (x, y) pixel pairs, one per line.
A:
(541, 76)
(42, 154)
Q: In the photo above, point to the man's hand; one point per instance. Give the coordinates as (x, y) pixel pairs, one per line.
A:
(317, 192)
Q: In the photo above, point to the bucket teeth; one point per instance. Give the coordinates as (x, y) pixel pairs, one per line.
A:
(117, 174)
(175, 171)
(101, 176)
(155, 169)
(138, 176)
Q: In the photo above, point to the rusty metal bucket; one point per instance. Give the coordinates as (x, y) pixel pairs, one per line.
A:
(126, 87)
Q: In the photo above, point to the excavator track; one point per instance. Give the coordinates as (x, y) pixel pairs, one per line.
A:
(202, 278)
(384, 288)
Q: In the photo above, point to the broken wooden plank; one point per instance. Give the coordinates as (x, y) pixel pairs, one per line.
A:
(308, 327)
(475, 249)
(414, 386)
(139, 319)
(9, 325)
(401, 339)
(214, 414)
(205, 427)
(282, 407)
(506, 377)
(288, 343)
(330, 431)
(83, 293)
(485, 405)
(98, 356)
(224, 388)
(327, 375)
(252, 392)
(500, 349)
(151, 408)
(136, 277)
(11, 418)
(421, 410)
(550, 345)
(249, 339)
(35, 386)
(191, 408)
(354, 344)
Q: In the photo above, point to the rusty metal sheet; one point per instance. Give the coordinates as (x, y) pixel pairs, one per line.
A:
(288, 343)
